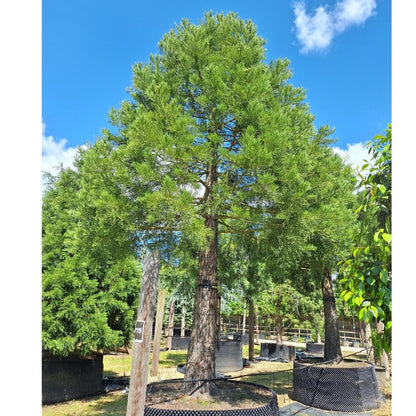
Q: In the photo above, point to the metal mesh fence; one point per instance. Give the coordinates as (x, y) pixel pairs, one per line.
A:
(348, 387)
(266, 407)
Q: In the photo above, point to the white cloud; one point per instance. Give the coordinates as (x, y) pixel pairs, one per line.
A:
(316, 31)
(55, 153)
(355, 155)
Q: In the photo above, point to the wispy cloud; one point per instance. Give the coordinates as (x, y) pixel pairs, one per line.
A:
(56, 153)
(355, 155)
(316, 31)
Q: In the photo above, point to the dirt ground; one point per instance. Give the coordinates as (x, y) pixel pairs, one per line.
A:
(224, 395)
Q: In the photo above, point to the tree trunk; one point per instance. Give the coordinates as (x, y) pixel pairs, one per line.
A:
(332, 343)
(143, 335)
(200, 362)
(158, 332)
(368, 345)
(183, 320)
(170, 323)
(251, 330)
(384, 359)
(256, 319)
(278, 325)
(244, 317)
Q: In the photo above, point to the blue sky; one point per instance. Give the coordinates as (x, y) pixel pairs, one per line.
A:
(340, 52)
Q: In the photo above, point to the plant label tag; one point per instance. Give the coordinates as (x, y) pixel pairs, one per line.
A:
(138, 331)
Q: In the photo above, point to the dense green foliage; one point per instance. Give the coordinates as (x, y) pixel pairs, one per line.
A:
(90, 283)
(212, 143)
(367, 271)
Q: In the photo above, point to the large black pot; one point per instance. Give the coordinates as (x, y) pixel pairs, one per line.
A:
(228, 356)
(338, 388)
(273, 351)
(265, 409)
(317, 348)
(180, 343)
(71, 378)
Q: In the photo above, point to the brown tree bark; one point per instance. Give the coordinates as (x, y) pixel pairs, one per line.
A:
(332, 342)
(251, 330)
(200, 364)
(279, 326)
(256, 323)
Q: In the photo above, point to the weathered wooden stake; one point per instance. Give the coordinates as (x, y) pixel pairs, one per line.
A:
(170, 322)
(143, 335)
(158, 332)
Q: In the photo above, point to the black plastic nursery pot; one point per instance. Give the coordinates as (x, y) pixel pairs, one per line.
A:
(268, 406)
(317, 348)
(228, 356)
(346, 387)
(272, 351)
(71, 378)
(180, 343)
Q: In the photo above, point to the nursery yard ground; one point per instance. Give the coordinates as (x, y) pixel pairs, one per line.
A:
(272, 374)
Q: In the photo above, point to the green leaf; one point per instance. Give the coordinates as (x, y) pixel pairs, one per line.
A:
(374, 311)
(384, 276)
(346, 295)
(387, 237)
(362, 314)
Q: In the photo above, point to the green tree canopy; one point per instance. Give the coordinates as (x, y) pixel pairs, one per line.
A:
(367, 270)
(213, 140)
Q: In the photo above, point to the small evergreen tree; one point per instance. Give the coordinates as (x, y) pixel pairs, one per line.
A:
(89, 291)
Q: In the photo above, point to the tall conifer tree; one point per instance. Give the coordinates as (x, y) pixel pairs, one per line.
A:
(213, 140)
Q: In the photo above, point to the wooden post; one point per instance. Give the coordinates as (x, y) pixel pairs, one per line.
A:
(158, 332)
(170, 322)
(143, 335)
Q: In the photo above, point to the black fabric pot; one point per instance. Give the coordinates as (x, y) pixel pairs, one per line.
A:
(228, 356)
(71, 378)
(177, 332)
(180, 343)
(317, 348)
(272, 351)
(345, 389)
(268, 409)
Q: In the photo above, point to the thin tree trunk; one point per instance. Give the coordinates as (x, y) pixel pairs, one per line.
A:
(244, 317)
(368, 345)
(170, 322)
(384, 359)
(251, 330)
(332, 343)
(158, 332)
(183, 320)
(256, 318)
(279, 339)
(143, 335)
